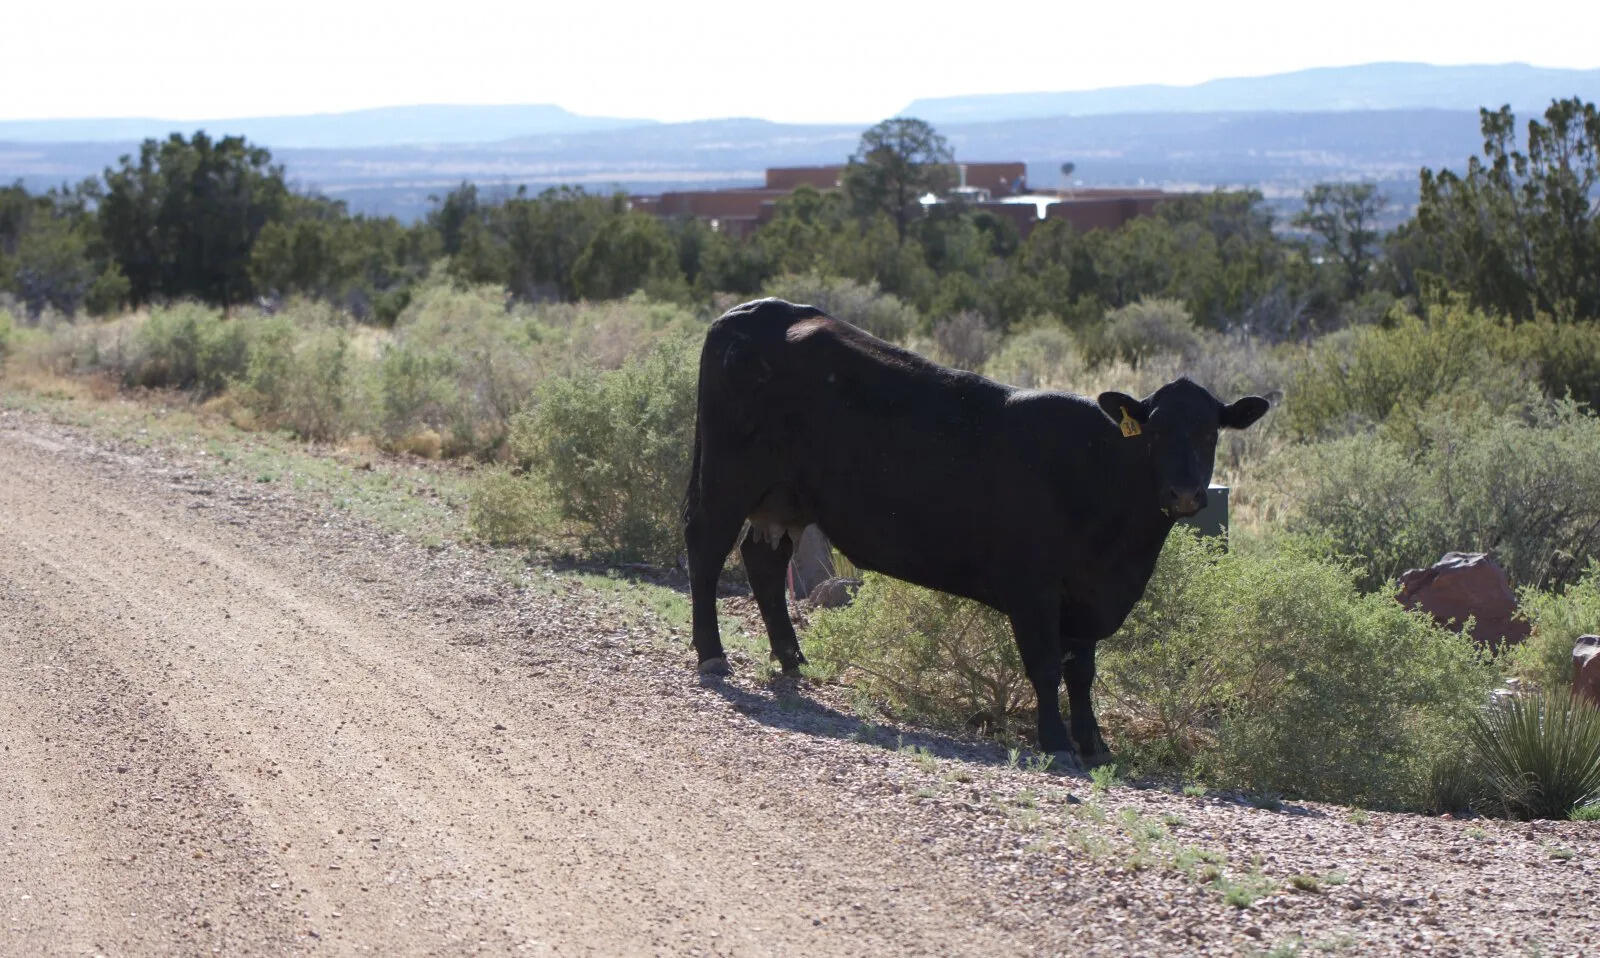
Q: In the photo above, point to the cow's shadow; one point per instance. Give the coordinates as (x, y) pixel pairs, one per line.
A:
(732, 582)
(781, 704)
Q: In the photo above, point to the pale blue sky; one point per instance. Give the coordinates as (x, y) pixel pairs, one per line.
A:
(819, 60)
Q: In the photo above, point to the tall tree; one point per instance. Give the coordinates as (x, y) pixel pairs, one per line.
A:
(895, 163)
(455, 213)
(182, 220)
(1344, 218)
(548, 233)
(49, 250)
(625, 253)
(1520, 231)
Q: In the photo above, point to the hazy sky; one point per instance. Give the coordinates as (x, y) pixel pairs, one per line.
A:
(814, 60)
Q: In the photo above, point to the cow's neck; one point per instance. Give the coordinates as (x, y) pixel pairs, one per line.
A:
(1140, 524)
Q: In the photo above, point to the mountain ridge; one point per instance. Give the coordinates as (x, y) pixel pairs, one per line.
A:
(351, 129)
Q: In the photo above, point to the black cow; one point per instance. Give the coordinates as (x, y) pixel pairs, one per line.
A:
(1046, 506)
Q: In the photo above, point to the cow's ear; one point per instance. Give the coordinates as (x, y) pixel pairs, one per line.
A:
(1124, 410)
(1243, 412)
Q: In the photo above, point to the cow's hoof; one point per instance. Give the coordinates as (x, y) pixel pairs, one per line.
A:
(791, 671)
(716, 665)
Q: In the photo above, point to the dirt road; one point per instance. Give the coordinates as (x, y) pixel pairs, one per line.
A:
(233, 724)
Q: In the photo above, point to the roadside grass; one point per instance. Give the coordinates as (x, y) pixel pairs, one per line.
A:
(1103, 777)
(421, 501)
(1137, 843)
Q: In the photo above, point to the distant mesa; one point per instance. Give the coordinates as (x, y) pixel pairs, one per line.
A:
(1372, 86)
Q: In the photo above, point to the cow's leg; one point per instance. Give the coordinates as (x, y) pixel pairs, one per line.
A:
(767, 564)
(1039, 641)
(709, 535)
(1079, 671)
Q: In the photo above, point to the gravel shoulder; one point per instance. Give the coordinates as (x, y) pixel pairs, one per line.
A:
(237, 720)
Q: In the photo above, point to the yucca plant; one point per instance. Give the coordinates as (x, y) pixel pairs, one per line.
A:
(1539, 755)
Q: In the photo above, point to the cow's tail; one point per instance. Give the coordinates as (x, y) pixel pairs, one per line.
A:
(691, 494)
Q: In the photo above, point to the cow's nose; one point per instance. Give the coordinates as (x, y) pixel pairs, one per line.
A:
(1185, 503)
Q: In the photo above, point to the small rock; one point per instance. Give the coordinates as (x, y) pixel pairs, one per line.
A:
(1586, 668)
(834, 593)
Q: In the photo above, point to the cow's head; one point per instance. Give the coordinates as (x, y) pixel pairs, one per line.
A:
(1176, 428)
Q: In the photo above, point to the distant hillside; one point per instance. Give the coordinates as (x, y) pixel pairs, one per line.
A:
(1373, 86)
(360, 128)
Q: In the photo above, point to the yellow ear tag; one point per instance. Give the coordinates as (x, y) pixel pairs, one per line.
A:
(1129, 425)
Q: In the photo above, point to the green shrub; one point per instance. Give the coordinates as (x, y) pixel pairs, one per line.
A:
(613, 448)
(1142, 330)
(460, 364)
(1454, 784)
(1526, 488)
(1362, 376)
(8, 328)
(507, 509)
(188, 346)
(1162, 681)
(1234, 662)
(415, 390)
(924, 654)
(298, 378)
(109, 292)
(1044, 357)
(1558, 617)
(60, 347)
(861, 304)
(605, 335)
(1376, 688)
(1540, 755)
(1567, 356)
(964, 340)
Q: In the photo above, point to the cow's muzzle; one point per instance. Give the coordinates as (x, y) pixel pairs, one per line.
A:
(1180, 504)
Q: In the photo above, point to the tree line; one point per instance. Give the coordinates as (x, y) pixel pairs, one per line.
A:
(1517, 232)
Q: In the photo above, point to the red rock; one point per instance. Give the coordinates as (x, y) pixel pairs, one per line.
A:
(1464, 584)
(1586, 668)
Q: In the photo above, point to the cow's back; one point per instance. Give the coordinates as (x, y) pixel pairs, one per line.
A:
(798, 376)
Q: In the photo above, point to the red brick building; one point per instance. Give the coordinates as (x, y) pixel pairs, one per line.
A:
(997, 188)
